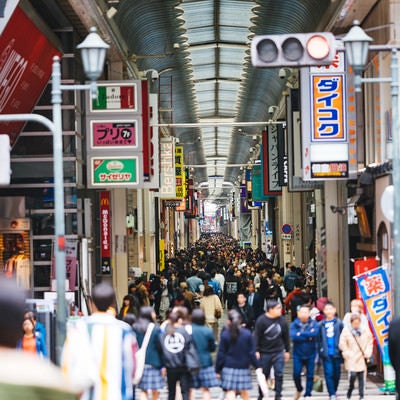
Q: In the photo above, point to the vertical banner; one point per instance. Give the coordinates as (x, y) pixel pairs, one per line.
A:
(167, 169)
(71, 262)
(375, 290)
(105, 232)
(328, 131)
(25, 65)
(270, 160)
(180, 173)
(162, 254)
(363, 266)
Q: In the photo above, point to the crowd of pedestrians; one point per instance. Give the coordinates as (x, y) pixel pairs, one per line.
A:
(167, 330)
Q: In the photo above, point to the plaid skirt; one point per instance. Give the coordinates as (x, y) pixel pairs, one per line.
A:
(151, 379)
(206, 378)
(236, 379)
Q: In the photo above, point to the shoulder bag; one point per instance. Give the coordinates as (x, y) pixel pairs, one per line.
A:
(369, 362)
(140, 355)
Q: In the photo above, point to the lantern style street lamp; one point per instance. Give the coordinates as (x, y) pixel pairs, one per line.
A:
(357, 45)
(93, 52)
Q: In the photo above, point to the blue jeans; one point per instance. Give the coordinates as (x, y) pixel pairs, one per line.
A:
(332, 373)
(276, 360)
(298, 364)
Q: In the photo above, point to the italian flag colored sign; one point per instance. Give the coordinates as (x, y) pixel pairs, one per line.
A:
(115, 97)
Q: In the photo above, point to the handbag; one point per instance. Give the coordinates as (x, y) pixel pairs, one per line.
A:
(218, 311)
(369, 362)
(192, 359)
(140, 355)
(318, 385)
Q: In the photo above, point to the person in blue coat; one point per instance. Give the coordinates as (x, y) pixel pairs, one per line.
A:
(304, 333)
(236, 353)
(204, 341)
(329, 334)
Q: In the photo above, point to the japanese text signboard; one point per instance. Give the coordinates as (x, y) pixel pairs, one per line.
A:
(179, 173)
(375, 290)
(115, 134)
(270, 160)
(328, 108)
(117, 171)
(327, 116)
(105, 232)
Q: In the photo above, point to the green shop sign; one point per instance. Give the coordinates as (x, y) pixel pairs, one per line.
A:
(114, 171)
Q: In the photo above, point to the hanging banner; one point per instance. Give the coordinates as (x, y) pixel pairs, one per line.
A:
(167, 169)
(257, 185)
(71, 263)
(180, 173)
(328, 134)
(105, 232)
(375, 290)
(361, 267)
(270, 160)
(162, 254)
(25, 67)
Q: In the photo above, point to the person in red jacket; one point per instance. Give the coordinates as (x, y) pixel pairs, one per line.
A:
(295, 299)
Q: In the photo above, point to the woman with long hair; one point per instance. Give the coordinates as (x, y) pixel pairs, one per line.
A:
(130, 305)
(32, 341)
(152, 378)
(236, 354)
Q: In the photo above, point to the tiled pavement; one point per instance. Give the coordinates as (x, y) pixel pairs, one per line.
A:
(372, 392)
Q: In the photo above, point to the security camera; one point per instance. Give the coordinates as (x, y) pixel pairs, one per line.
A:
(154, 75)
(271, 110)
(282, 73)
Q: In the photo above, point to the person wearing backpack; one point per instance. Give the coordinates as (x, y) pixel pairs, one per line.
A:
(175, 343)
(289, 280)
(152, 378)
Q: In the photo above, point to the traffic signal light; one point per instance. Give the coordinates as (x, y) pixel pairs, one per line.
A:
(5, 161)
(293, 50)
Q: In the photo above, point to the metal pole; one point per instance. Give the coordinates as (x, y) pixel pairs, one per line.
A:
(396, 181)
(56, 100)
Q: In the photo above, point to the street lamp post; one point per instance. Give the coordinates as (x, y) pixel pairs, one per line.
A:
(93, 51)
(356, 44)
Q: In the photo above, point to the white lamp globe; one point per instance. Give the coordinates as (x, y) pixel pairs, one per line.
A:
(387, 203)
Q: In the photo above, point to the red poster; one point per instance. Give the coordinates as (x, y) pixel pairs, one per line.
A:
(362, 266)
(25, 68)
(105, 232)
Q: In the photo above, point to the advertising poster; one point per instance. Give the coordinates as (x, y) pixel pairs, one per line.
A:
(375, 290)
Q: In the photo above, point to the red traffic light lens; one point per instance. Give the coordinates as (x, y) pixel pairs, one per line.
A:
(267, 50)
(292, 49)
(318, 47)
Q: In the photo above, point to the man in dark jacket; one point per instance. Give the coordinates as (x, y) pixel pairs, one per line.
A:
(271, 337)
(394, 350)
(245, 311)
(329, 333)
(304, 334)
